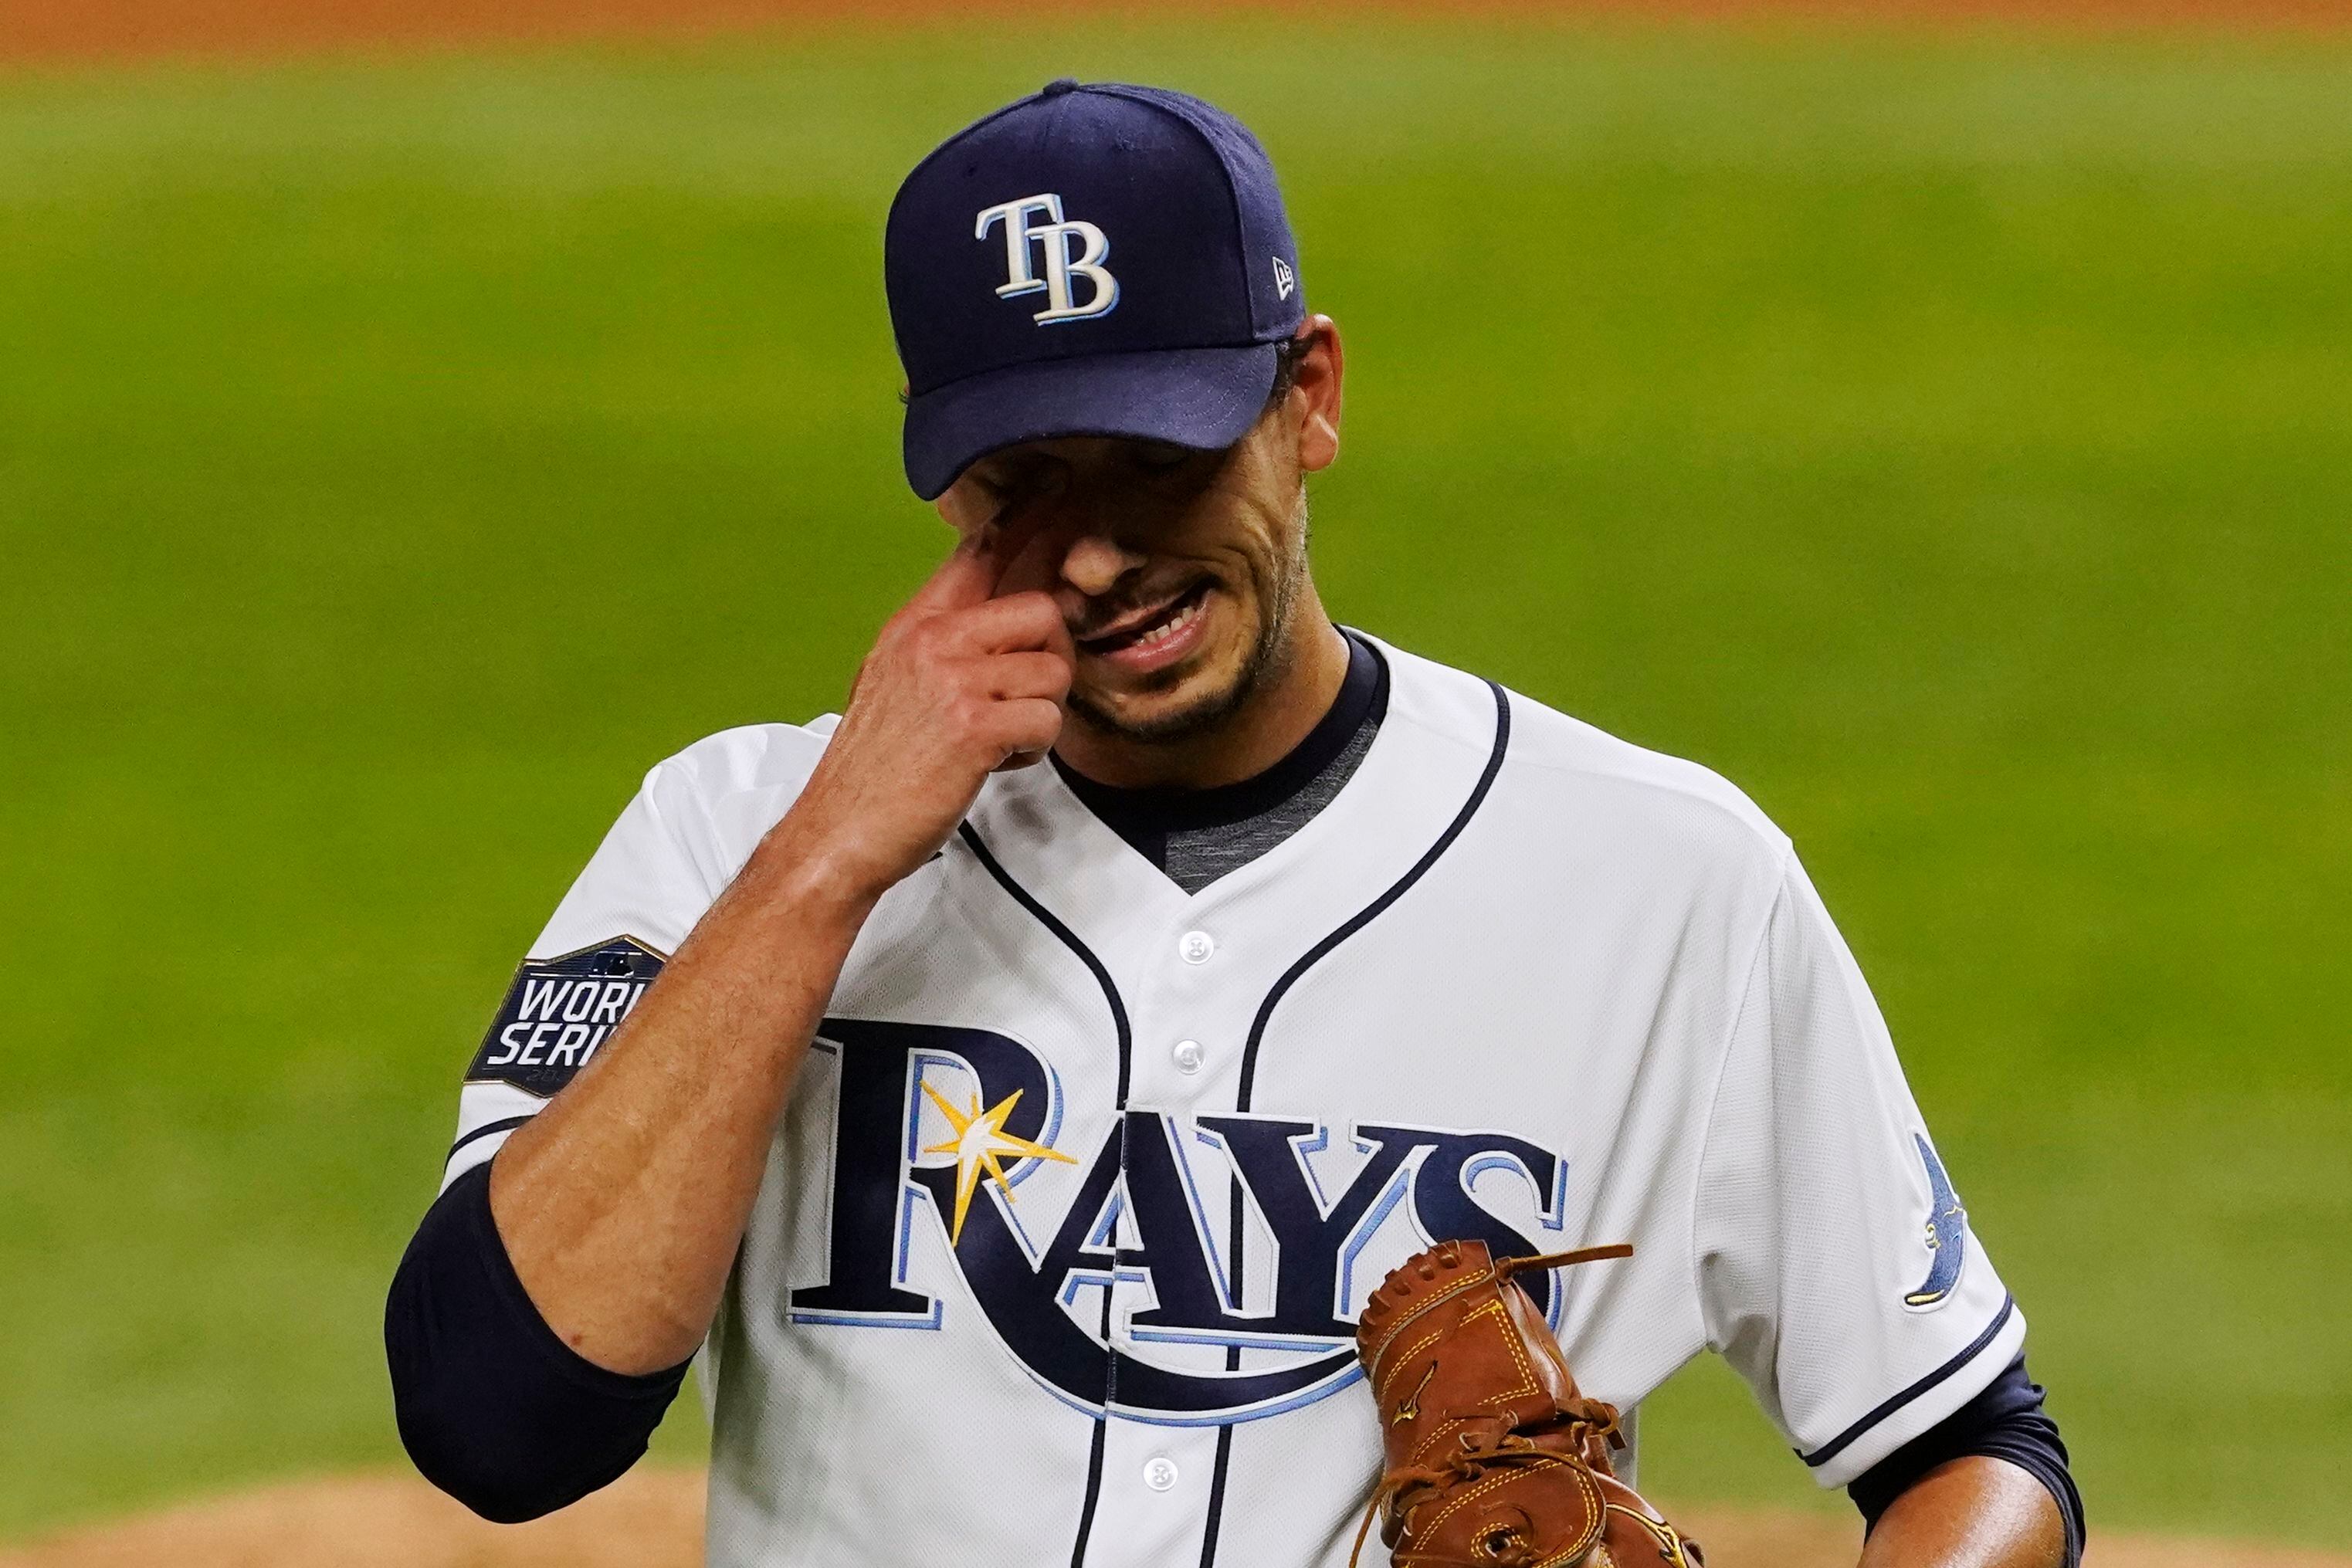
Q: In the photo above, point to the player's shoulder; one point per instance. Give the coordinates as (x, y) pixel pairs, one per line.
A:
(741, 777)
(1637, 783)
(747, 756)
(1591, 782)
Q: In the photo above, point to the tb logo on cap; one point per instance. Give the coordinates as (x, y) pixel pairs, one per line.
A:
(1071, 248)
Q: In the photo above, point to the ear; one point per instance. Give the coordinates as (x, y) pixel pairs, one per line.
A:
(1320, 372)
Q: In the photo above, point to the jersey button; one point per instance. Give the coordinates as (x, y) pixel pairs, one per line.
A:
(1160, 1472)
(1188, 1055)
(1194, 947)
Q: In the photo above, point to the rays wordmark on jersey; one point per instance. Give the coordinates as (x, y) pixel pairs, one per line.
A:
(1044, 1282)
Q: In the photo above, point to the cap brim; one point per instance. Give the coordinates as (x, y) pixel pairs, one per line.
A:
(1200, 398)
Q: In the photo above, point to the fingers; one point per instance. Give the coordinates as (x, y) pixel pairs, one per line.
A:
(1029, 674)
(1016, 621)
(1058, 642)
(1001, 542)
(966, 578)
(972, 569)
(1023, 730)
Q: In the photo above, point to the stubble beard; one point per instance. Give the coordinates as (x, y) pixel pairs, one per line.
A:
(1268, 660)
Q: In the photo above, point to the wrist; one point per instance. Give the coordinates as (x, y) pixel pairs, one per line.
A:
(817, 879)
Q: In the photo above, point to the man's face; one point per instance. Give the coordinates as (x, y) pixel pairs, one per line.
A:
(1177, 571)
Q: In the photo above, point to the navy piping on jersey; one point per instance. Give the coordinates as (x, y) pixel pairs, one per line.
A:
(488, 1129)
(1094, 1484)
(1371, 911)
(1290, 977)
(1069, 939)
(1217, 1487)
(1839, 1444)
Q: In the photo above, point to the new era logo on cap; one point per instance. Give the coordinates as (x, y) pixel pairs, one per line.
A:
(1088, 261)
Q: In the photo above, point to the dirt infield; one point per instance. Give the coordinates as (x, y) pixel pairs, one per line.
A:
(87, 29)
(653, 1519)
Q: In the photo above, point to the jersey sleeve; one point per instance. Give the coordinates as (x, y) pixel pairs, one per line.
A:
(656, 872)
(1837, 1269)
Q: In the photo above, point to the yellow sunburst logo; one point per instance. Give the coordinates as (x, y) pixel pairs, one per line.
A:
(981, 1144)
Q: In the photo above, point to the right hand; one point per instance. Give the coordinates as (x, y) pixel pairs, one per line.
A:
(959, 684)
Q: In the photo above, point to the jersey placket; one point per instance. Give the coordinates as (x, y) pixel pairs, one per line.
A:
(1192, 975)
(1189, 997)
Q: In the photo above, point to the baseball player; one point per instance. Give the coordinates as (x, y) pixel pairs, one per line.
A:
(1012, 1089)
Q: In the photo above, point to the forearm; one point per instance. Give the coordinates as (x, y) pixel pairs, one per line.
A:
(623, 1203)
(1971, 1512)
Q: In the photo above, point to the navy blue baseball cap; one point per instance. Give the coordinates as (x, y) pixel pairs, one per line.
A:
(1095, 259)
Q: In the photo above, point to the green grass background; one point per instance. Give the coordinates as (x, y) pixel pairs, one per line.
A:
(1949, 440)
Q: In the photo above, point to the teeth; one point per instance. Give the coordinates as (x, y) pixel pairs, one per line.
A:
(1169, 628)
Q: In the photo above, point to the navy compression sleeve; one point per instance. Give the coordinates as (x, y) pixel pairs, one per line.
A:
(493, 1406)
(2004, 1422)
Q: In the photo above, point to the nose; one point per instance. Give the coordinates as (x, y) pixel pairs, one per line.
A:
(1095, 561)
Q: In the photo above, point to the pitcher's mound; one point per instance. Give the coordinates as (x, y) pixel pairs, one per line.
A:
(653, 1519)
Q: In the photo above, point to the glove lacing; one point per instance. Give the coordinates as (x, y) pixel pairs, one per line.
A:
(1489, 1445)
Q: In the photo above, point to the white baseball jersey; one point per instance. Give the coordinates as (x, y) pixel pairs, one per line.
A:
(1064, 1230)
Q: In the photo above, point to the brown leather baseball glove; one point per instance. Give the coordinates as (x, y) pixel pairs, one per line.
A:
(1494, 1460)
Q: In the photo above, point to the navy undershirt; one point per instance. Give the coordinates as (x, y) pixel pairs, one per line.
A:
(2005, 1421)
(492, 1406)
(499, 1411)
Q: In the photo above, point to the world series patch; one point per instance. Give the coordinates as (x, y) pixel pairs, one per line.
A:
(559, 1011)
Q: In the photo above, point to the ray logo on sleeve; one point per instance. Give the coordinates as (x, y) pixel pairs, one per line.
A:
(560, 1011)
(1947, 1236)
